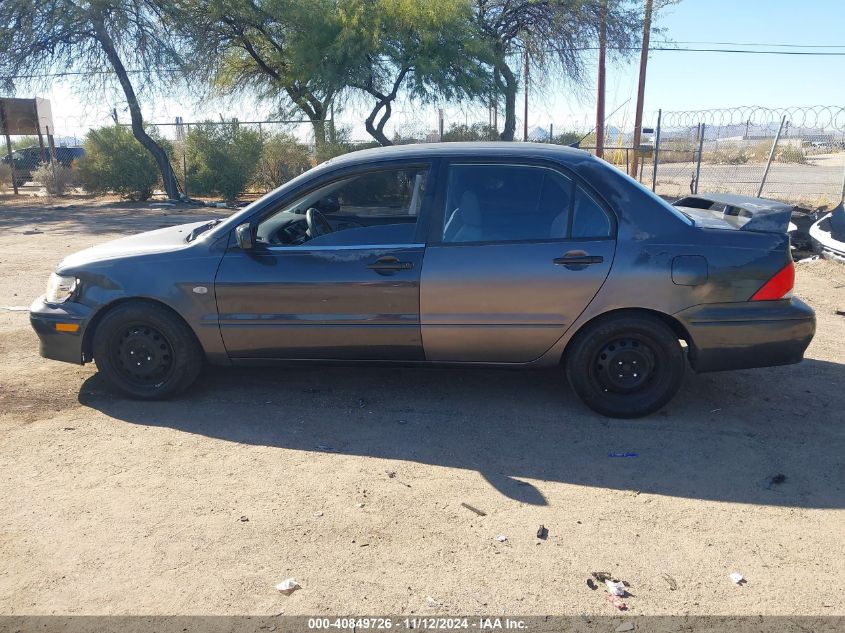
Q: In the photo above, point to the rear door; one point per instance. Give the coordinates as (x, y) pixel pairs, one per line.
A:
(517, 251)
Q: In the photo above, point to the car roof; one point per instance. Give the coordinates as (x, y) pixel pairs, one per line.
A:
(491, 149)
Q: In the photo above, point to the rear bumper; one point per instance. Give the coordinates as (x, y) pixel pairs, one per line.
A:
(55, 344)
(748, 334)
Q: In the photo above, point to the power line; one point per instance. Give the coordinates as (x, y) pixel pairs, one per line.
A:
(673, 49)
(747, 52)
(755, 44)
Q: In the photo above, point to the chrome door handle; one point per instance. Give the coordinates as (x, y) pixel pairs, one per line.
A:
(389, 264)
(578, 260)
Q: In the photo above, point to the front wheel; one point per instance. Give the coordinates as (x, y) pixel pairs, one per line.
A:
(145, 351)
(625, 366)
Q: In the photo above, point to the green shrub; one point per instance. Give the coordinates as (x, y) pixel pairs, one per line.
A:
(221, 159)
(282, 158)
(55, 178)
(474, 132)
(116, 162)
(570, 138)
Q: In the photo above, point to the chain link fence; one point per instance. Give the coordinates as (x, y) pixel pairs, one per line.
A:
(22, 169)
(791, 154)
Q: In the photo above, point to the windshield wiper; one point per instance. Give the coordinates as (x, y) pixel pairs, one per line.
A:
(202, 228)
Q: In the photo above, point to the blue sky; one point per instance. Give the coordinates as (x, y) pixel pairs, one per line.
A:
(682, 80)
(676, 80)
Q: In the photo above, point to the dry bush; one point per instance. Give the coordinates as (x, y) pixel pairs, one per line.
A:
(55, 178)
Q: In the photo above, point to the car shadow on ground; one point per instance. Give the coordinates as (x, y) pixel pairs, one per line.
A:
(723, 438)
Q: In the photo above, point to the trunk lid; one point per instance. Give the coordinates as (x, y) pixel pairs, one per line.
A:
(741, 213)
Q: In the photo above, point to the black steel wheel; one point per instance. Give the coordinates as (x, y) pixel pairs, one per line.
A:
(146, 351)
(625, 365)
(142, 355)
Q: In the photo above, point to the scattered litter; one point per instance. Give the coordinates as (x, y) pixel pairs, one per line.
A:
(615, 588)
(16, 308)
(391, 473)
(244, 519)
(69, 428)
(840, 312)
(288, 586)
(327, 448)
(360, 505)
(362, 403)
(737, 579)
(542, 533)
(617, 602)
(623, 455)
(402, 421)
(625, 626)
(591, 584)
(476, 510)
(601, 576)
(673, 584)
(432, 602)
(501, 538)
(715, 410)
(317, 515)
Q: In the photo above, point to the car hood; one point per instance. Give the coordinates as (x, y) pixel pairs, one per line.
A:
(164, 240)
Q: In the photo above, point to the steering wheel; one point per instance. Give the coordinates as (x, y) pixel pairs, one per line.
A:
(317, 223)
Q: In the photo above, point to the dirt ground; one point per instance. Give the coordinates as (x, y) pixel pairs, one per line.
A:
(201, 505)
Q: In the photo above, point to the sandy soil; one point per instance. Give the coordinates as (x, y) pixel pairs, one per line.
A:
(201, 505)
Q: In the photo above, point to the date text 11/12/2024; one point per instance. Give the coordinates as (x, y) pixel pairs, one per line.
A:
(422, 623)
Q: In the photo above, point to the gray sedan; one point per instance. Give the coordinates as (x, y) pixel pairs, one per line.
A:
(506, 254)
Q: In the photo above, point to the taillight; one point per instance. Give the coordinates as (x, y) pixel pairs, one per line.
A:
(779, 286)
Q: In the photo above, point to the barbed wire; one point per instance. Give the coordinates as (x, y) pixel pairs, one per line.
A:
(818, 117)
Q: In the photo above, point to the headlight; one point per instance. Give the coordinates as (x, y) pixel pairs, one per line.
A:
(60, 288)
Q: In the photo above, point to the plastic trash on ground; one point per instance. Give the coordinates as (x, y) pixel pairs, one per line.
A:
(288, 586)
(615, 588)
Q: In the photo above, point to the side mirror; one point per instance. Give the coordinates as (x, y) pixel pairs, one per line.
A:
(243, 234)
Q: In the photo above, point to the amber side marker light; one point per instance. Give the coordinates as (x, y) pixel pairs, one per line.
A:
(67, 327)
(779, 286)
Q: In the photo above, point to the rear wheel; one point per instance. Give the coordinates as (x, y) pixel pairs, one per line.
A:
(625, 366)
(145, 351)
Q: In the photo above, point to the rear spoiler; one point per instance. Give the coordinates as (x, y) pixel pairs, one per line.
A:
(744, 213)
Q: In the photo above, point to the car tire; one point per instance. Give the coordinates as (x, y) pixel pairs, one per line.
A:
(625, 366)
(144, 351)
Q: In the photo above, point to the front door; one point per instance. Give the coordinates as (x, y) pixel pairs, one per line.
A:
(519, 253)
(332, 274)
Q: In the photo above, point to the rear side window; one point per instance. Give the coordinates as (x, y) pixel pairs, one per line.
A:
(589, 219)
(505, 203)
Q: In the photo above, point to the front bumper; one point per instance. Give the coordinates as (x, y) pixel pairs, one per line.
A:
(57, 344)
(748, 334)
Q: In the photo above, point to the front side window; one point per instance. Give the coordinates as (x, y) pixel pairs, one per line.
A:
(502, 203)
(378, 207)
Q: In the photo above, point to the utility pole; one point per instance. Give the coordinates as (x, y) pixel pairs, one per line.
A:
(601, 82)
(638, 120)
(525, 114)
